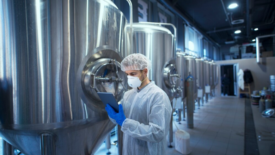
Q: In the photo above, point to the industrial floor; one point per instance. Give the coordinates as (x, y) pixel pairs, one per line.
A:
(219, 129)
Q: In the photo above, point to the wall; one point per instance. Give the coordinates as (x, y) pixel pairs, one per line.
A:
(260, 72)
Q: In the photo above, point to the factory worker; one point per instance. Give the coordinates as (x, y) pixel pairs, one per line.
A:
(145, 111)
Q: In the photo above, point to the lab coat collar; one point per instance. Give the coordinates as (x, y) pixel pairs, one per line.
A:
(145, 87)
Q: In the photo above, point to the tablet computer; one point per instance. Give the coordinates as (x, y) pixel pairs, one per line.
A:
(108, 98)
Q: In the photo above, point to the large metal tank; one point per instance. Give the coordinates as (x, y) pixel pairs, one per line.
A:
(54, 57)
(157, 43)
(211, 73)
(200, 73)
(206, 72)
(217, 74)
(181, 68)
(191, 70)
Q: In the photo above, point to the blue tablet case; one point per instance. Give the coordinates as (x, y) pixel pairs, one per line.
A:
(108, 98)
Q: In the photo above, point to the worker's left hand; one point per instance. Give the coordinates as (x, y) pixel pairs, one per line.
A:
(119, 117)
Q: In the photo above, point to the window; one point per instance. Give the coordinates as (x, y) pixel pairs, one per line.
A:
(142, 11)
(205, 49)
(191, 46)
(192, 41)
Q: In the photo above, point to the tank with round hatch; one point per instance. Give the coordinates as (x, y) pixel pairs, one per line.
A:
(55, 56)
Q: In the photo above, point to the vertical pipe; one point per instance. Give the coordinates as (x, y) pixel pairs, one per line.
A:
(257, 50)
(190, 102)
(47, 144)
(5, 148)
(108, 142)
(171, 128)
(131, 24)
(183, 112)
(120, 140)
(199, 104)
(179, 114)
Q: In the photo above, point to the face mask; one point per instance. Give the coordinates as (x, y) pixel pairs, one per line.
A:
(133, 81)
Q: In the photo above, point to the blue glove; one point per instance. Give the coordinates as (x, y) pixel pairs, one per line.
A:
(119, 117)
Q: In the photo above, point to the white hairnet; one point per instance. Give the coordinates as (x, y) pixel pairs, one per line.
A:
(135, 62)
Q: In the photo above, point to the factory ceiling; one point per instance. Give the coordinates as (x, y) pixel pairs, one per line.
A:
(215, 19)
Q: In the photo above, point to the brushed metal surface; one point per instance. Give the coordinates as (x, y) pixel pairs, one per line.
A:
(42, 45)
(200, 73)
(206, 73)
(191, 69)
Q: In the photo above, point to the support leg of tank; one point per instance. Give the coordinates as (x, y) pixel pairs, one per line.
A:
(47, 144)
(171, 130)
(179, 114)
(7, 149)
(108, 143)
(199, 104)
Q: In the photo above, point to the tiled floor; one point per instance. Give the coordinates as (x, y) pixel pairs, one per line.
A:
(218, 129)
(265, 130)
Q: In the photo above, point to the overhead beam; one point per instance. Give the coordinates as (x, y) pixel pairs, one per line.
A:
(249, 5)
(262, 4)
(226, 29)
(226, 13)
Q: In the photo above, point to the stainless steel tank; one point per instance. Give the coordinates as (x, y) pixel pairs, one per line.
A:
(157, 43)
(211, 73)
(206, 72)
(191, 70)
(200, 79)
(200, 73)
(217, 75)
(55, 56)
(181, 68)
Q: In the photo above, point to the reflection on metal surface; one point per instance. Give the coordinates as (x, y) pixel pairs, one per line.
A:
(43, 45)
(181, 67)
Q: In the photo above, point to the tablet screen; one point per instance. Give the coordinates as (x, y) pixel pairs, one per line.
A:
(108, 98)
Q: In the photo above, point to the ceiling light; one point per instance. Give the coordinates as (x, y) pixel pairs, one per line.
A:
(253, 40)
(256, 29)
(237, 31)
(233, 6)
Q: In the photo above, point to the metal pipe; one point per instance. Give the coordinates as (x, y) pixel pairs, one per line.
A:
(226, 29)
(120, 139)
(47, 144)
(258, 47)
(179, 114)
(108, 143)
(189, 22)
(171, 128)
(226, 14)
(131, 23)
(190, 102)
(6, 148)
(166, 24)
(248, 18)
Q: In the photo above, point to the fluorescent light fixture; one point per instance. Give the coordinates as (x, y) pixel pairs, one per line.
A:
(233, 6)
(237, 31)
(256, 29)
(253, 40)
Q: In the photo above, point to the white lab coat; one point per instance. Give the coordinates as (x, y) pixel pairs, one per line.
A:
(240, 79)
(148, 113)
